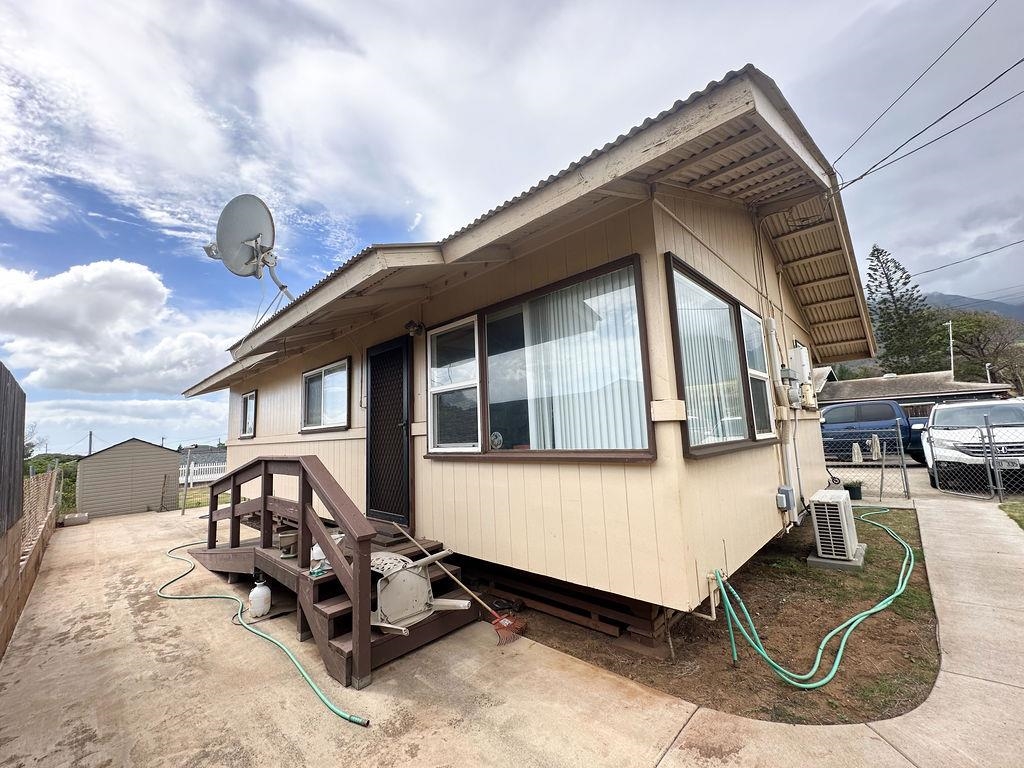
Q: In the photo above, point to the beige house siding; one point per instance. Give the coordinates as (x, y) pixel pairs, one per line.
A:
(650, 531)
(129, 477)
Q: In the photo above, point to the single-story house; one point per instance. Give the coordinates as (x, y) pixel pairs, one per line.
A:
(131, 476)
(916, 392)
(586, 381)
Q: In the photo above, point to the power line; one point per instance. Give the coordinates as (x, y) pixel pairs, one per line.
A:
(969, 258)
(907, 89)
(939, 119)
(937, 138)
(80, 441)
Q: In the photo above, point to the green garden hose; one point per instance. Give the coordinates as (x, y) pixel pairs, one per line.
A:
(846, 628)
(241, 607)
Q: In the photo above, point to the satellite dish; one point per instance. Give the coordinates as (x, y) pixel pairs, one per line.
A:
(245, 240)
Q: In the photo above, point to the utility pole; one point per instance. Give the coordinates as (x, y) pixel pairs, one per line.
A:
(952, 369)
(90, 443)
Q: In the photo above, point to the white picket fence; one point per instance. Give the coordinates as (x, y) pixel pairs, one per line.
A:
(202, 472)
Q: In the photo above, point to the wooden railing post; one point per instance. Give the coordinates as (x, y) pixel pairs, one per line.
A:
(211, 525)
(361, 661)
(305, 504)
(266, 519)
(235, 524)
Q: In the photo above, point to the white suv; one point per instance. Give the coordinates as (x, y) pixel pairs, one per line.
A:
(955, 445)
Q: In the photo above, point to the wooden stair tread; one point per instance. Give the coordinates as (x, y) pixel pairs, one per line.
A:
(340, 605)
(434, 626)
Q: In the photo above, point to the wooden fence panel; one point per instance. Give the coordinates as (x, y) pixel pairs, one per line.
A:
(12, 445)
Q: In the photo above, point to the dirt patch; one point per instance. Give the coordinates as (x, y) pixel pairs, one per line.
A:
(888, 668)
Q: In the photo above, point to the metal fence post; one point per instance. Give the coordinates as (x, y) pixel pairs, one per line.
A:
(996, 473)
(903, 462)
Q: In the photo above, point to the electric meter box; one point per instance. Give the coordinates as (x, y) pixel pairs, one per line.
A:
(800, 361)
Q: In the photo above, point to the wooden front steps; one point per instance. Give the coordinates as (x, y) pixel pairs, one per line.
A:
(325, 610)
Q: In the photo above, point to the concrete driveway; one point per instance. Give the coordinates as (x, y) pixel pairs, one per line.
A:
(101, 672)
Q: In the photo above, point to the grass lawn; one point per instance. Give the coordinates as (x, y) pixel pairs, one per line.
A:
(888, 668)
(1015, 510)
(199, 496)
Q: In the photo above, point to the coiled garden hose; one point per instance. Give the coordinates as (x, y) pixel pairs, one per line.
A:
(241, 607)
(846, 628)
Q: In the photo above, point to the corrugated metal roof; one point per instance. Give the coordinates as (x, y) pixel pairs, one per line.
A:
(678, 105)
(729, 76)
(903, 385)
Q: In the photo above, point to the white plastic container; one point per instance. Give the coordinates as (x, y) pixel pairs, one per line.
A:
(259, 600)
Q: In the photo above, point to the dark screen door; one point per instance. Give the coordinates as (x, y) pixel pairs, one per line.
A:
(387, 439)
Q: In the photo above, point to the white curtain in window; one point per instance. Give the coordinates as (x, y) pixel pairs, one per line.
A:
(584, 370)
(711, 365)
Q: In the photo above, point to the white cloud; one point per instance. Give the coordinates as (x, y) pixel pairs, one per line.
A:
(107, 327)
(335, 111)
(65, 422)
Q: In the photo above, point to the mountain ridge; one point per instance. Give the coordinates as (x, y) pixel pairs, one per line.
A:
(967, 303)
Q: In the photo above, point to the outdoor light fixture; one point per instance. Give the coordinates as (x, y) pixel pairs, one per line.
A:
(415, 328)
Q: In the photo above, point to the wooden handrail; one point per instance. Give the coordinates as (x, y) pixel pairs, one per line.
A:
(314, 478)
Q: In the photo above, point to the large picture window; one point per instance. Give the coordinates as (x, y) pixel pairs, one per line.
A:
(723, 363)
(325, 397)
(563, 371)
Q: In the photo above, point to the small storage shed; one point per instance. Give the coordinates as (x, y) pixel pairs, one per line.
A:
(133, 476)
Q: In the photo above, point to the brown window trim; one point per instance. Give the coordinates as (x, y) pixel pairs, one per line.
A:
(643, 455)
(596, 456)
(255, 407)
(348, 406)
(320, 430)
(672, 264)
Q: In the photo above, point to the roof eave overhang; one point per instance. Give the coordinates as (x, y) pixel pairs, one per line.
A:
(354, 281)
(228, 375)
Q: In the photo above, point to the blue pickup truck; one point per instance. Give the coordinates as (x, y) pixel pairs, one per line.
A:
(844, 424)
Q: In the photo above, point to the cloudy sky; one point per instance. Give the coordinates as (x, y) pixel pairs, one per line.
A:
(125, 126)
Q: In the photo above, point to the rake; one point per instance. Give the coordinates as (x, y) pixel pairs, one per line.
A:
(509, 628)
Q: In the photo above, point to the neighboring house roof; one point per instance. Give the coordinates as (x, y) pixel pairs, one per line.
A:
(205, 455)
(905, 385)
(125, 442)
(821, 376)
(736, 139)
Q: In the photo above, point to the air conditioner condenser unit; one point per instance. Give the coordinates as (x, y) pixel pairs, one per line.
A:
(835, 532)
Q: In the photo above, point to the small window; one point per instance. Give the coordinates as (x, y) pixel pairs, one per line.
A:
(757, 372)
(248, 426)
(844, 414)
(453, 387)
(876, 412)
(325, 397)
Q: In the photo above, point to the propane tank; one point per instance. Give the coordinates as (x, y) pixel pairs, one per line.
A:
(259, 600)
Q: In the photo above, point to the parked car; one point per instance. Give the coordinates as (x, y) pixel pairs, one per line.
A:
(844, 424)
(956, 443)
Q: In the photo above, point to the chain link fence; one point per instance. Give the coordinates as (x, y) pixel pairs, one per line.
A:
(981, 462)
(870, 464)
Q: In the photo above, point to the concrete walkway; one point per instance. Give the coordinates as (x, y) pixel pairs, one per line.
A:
(103, 673)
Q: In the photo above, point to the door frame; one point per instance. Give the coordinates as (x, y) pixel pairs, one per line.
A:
(403, 343)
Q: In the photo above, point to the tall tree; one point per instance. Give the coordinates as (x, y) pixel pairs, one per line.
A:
(985, 337)
(909, 332)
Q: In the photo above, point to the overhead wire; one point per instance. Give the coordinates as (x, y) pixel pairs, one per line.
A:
(905, 155)
(969, 258)
(947, 113)
(915, 81)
